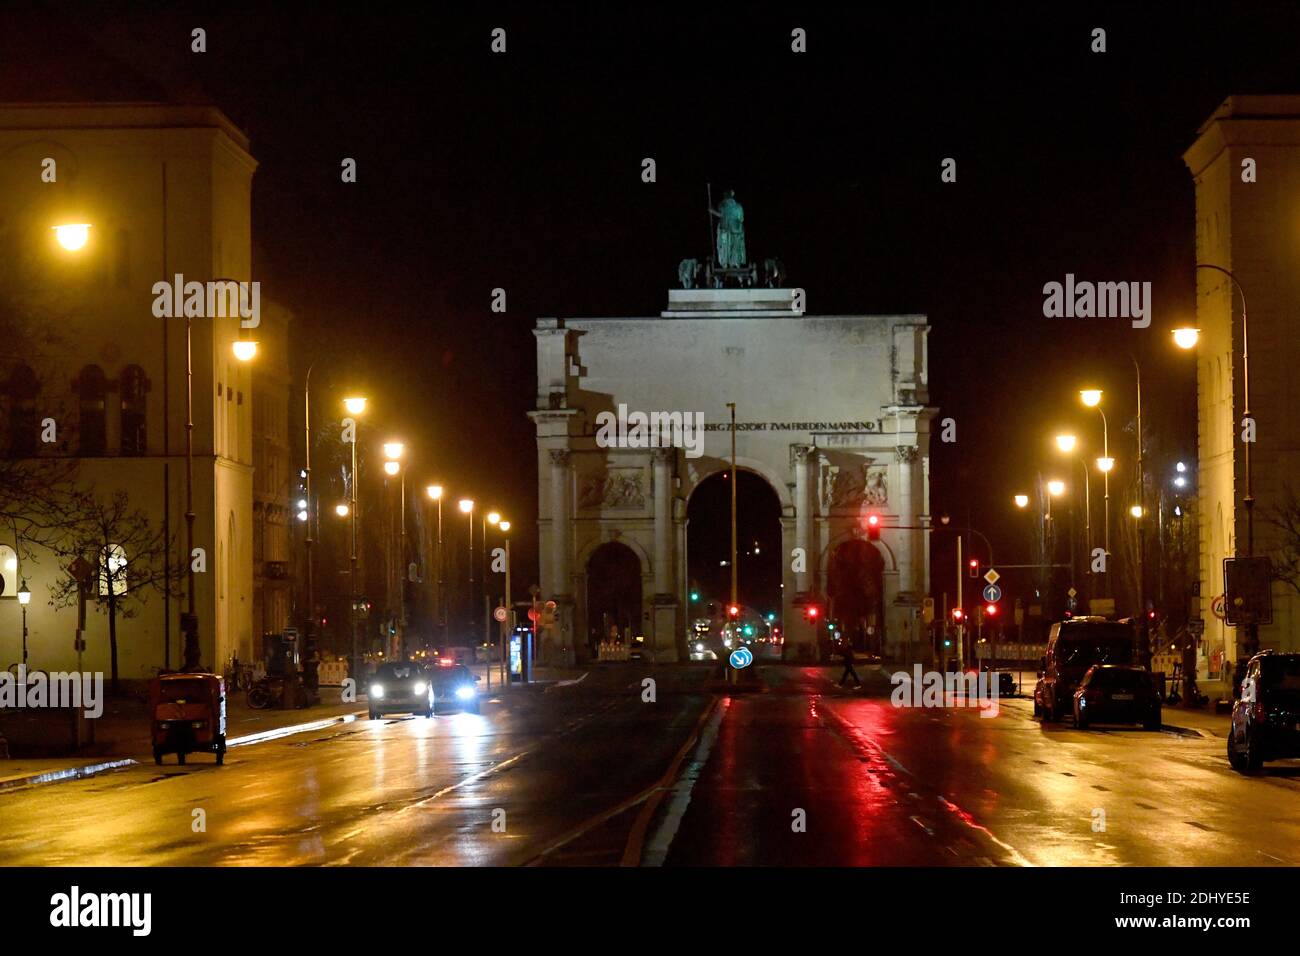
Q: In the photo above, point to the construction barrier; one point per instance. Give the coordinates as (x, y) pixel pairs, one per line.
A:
(332, 673)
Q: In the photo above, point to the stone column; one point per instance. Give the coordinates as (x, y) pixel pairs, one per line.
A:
(907, 553)
(669, 635)
(803, 516)
(561, 637)
(663, 461)
(561, 545)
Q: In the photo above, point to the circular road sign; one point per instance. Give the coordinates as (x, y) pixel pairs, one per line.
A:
(741, 658)
(500, 614)
(993, 594)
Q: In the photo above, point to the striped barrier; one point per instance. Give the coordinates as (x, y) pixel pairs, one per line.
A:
(332, 673)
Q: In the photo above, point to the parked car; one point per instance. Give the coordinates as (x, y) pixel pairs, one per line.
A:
(400, 687)
(1117, 694)
(1073, 646)
(1265, 718)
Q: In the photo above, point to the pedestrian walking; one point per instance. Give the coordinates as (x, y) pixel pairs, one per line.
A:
(846, 651)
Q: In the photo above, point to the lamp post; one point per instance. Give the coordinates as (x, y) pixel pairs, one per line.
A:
(435, 493)
(1055, 488)
(466, 506)
(24, 599)
(491, 518)
(1091, 397)
(355, 406)
(1066, 444)
(510, 615)
(393, 451)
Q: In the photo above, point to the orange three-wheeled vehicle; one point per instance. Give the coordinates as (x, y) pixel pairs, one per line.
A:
(189, 715)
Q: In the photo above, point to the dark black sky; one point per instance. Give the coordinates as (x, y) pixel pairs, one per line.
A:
(522, 171)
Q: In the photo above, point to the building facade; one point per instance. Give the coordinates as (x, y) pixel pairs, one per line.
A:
(165, 191)
(1246, 166)
(831, 414)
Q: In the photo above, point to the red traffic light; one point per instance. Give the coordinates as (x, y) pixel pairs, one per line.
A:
(873, 527)
(991, 610)
(958, 614)
(974, 567)
(873, 521)
(733, 611)
(812, 611)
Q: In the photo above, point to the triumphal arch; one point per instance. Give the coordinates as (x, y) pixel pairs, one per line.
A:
(831, 412)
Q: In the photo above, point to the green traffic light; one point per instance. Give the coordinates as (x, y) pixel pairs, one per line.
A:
(695, 595)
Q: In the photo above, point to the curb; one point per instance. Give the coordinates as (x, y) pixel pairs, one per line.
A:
(80, 773)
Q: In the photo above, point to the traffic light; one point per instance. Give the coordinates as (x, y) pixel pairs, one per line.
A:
(958, 614)
(811, 612)
(873, 527)
(973, 567)
(695, 595)
(991, 610)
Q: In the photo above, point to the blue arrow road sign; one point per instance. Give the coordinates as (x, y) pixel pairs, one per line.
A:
(993, 594)
(741, 657)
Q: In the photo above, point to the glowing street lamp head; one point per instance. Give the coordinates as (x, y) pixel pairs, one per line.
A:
(1066, 443)
(393, 449)
(245, 349)
(1185, 338)
(1180, 467)
(341, 510)
(392, 467)
(466, 505)
(504, 526)
(1135, 511)
(1090, 396)
(1056, 488)
(494, 517)
(24, 595)
(73, 235)
(355, 404)
(433, 491)
(1022, 501)
(1105, 464)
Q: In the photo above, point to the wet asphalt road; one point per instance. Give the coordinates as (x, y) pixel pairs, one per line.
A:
(800, 773)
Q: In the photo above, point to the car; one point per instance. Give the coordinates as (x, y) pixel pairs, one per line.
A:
(1073, 646)
(1117, 694)
(402, 688)
(1265, 717)
(454, 686)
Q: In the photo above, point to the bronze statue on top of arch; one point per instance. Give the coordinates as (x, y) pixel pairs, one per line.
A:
(728, 266)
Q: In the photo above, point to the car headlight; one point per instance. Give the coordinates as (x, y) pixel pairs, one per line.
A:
(419, 688)
(464, 692)
(376, 690)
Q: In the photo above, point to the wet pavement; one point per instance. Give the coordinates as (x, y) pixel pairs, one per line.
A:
(797, 772)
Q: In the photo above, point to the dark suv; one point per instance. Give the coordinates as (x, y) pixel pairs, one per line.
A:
(1264, 720)
(1073, 646)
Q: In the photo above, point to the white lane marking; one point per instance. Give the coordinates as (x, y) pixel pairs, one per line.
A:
(470, 779)
(570, 683)
(278, 732)
(657, 847)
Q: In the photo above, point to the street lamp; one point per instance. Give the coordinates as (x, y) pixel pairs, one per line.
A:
(435, 493)
(466, 506)
(391, 468)
(1055, 489)
(72, 236)
(355, 405)
(342, 510)
(1186, 338)
(24, 598)
(245, 349)
(1022, 501)
(1091, 397)
(1066, 443)
(1136, 511)
(393, 449)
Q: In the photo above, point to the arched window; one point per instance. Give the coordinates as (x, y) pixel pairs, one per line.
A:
(92, 392)
(135, 433)
(23, 390)
(112, 570)
(9, 569)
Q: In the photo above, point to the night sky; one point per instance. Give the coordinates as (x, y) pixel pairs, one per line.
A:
(522, 171)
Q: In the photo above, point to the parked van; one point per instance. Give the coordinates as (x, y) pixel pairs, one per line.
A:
(1073, 646)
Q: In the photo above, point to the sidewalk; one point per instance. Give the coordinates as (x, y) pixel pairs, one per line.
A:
(122, 737)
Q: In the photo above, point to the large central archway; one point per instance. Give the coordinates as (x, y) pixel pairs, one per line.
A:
(758, 550)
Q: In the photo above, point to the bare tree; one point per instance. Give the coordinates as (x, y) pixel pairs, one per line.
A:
(128, 554)
(1284, 518)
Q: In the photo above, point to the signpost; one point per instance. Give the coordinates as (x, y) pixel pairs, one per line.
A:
(992, 594)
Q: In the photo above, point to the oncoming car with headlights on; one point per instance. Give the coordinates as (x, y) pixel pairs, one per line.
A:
(402, 688)
(454, 687)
